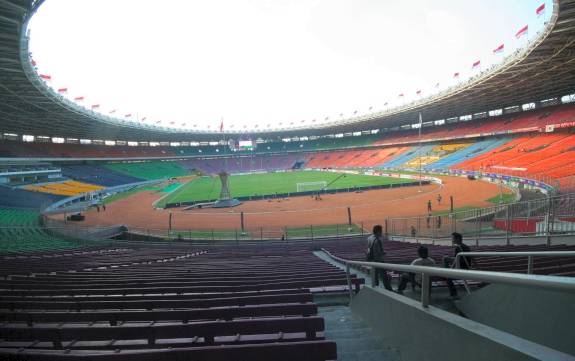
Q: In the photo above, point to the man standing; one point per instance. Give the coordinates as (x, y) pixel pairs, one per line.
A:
(465, 262)
(429, 205)
(439, 199)
(375, 253)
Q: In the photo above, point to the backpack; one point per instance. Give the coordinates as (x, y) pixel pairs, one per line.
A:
(369, 254)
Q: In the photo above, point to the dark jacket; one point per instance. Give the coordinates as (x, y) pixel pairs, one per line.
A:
(375, 249)
(464, 262)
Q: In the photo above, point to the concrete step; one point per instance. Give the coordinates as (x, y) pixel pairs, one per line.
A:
(355, 340)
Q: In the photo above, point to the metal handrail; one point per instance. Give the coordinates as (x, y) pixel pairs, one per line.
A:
(529, 256)
(554, 283)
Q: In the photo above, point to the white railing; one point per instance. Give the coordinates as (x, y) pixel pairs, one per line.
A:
(554, 283)
(529, 255)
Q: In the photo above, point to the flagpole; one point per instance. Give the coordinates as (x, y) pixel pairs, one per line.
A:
(225, 144)
(420, 126)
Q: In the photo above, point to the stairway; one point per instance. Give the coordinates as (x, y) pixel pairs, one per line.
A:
(356, 341)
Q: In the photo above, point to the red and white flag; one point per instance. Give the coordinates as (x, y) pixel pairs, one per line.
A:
(499, 49)
(79, 99)
(222, 125)
(63, 90)
(456, 75)
(476, 64)
(540, 10)
(45, 77)
(95, 106)
(522, 31)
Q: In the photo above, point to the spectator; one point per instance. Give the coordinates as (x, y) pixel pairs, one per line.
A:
(423, 260)
(413, 231)
(439, 199)
(375, 253)
(448, 262)
(429, 205)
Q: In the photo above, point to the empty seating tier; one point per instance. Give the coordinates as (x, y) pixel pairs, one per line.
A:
(249, 303)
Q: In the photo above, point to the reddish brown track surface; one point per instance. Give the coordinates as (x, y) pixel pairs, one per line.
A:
(369, 207)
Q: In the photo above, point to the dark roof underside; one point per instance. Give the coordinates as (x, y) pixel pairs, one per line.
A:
(26, 107)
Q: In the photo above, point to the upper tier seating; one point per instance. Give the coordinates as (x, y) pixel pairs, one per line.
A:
(14, 197)
(243, 164)
(97, 175)
(407, 156)
(473, 150)
(548, 154)
(149, 170)
(67, 188)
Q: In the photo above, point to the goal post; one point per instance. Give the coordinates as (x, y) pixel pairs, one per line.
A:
(311, 186)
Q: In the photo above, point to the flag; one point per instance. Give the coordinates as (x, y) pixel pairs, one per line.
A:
(79, 99)
(522, 31)
(476, 64)
(95, 106)
(499, 49)
(222, 125)
(112, 111)
(128, 115)
(63, 90)
(158, 122)
(401, 95)
(45, 77)
(33, 62)
(418, 92)
(172, 123)
(540, 10)
(385, 104)
(437, 85)
(144, 119)
(456, 75)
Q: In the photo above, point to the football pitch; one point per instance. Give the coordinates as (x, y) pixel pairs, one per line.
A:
(258, 184)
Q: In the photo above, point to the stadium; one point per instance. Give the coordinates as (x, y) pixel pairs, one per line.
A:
(126, 238)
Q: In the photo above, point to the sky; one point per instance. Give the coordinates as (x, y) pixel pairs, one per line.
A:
(267, 64)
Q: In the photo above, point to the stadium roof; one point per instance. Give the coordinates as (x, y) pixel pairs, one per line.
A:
(544, 69)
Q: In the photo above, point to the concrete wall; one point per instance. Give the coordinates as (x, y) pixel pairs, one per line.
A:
(545, 317)
(433, 334)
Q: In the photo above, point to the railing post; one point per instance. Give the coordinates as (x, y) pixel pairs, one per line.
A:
(349, 285)
(425, 289)
(549, 221)
(530, 265)
(507, 224)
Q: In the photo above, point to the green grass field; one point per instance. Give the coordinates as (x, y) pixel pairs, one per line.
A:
(208, 188)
